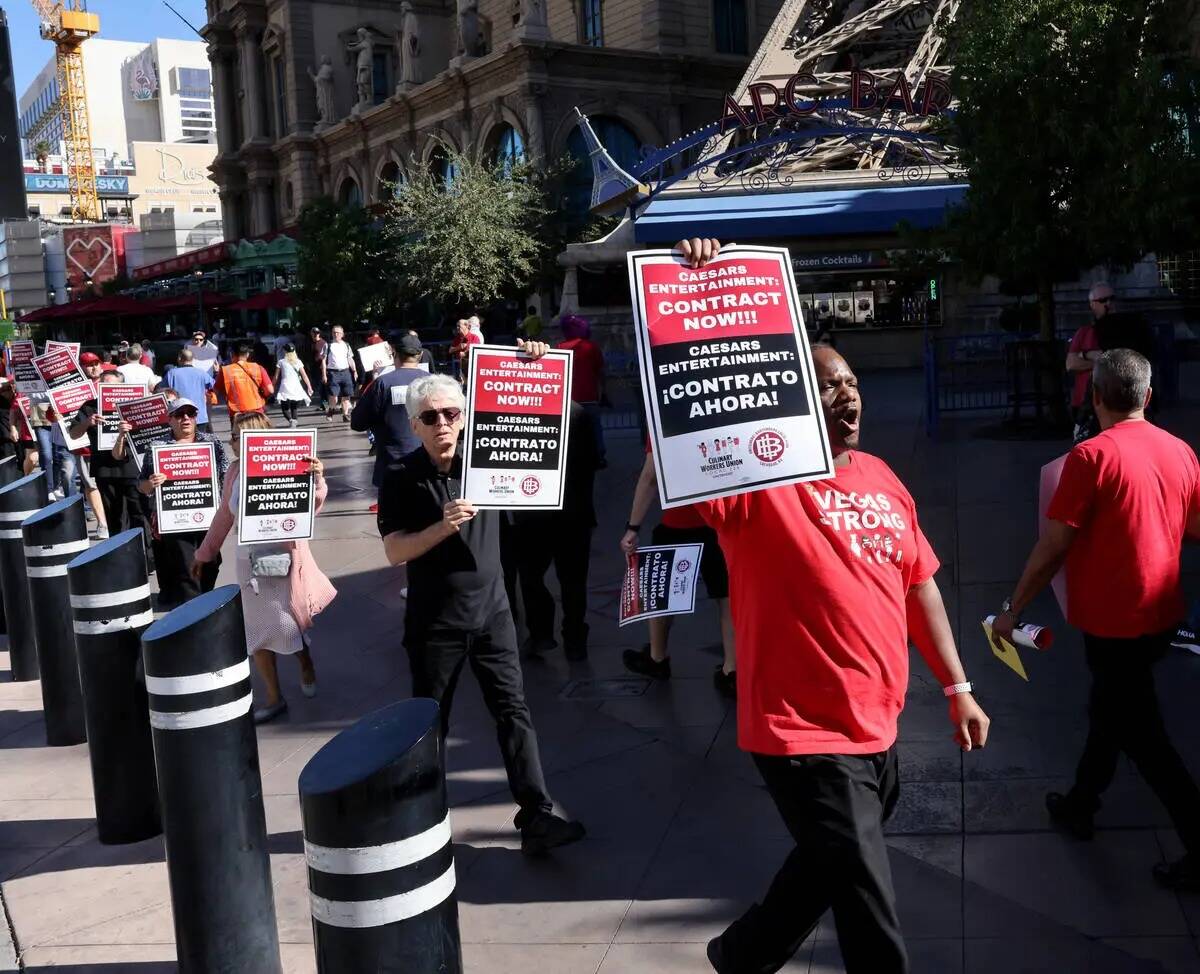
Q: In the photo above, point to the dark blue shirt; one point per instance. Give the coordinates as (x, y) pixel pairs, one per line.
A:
(381, 410)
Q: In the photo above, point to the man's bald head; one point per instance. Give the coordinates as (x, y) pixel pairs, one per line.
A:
(826, 357)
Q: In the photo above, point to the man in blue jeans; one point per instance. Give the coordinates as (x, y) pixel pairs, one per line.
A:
(56, 461)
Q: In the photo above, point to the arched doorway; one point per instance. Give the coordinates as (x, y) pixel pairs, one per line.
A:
(505, 146)
(390, 181)
(349, 193)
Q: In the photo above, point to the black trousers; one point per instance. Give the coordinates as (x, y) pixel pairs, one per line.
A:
(124, 508)
(834, 806)
(567, 546)
(289, 407)
(437, 656)
(1124, 716)
(173, 556)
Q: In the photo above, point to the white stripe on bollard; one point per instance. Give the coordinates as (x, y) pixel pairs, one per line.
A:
(8, 534)
(51, 550)
(390, 909)
(198, 682)
(376, 859)
(114, 625)
(15, 515)
(46, 571)
(104, 600)
(206, 717)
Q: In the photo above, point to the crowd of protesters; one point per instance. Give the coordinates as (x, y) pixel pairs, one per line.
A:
(819, 679)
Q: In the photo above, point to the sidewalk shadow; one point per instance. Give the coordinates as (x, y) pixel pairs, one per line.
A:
(116, 967)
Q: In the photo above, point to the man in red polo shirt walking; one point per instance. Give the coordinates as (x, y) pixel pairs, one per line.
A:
(1126, 499)
(828, 581)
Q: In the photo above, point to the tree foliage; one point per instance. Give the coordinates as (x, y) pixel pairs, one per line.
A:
(474, 241)
(1075, 123)
(343, 272)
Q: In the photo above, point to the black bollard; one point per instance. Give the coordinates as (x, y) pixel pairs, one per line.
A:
(110, 608)
(10, 470)
(377, 841)
(19, 500)
(210, 788)
(53, 536)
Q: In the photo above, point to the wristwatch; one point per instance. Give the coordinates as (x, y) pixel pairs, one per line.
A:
(1006, 608)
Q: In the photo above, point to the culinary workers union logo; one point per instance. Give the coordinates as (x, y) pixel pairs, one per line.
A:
(768, 446)
(682, 565)
(530, 486)
(198, 516)
(289, 524)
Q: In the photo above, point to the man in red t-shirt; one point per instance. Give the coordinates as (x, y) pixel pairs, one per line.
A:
(829, 580)
(1125, 502)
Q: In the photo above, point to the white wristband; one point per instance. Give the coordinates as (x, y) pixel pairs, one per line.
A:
(954, 688)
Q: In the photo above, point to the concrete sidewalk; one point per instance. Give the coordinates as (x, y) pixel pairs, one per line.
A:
(681, 834)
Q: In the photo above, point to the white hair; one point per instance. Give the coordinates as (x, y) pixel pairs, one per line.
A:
(430, 386)
(1098, 287)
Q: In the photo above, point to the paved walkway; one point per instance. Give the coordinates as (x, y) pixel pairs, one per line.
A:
(681, 835)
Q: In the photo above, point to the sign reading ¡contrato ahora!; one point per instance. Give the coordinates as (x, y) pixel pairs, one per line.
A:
(727, 374)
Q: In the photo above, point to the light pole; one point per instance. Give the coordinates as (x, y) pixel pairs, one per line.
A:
(199, 275)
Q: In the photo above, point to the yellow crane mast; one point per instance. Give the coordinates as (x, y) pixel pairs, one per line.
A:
(68, 25)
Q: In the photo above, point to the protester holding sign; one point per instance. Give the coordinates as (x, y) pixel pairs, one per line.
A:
(175, 553)
(830, 579)
(116, 479)
(282, 587)
(457, 611)
(677, 526)
(1127, 499)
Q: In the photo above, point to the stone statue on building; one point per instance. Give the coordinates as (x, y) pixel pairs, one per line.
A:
(364, 68)
(323, 82)
(531, 22)
(410, 47)
(470, 29)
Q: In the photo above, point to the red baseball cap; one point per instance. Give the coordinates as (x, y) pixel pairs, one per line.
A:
(89, 358)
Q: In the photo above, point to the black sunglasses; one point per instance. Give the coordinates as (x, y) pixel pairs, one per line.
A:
(430, 416)
(1107, 299)
(184, 414)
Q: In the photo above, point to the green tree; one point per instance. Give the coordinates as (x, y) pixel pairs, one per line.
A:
(1075, 124)
(341, 264)
(474, 241)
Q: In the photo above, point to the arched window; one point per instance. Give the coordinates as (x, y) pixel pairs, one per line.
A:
(390, 181)
(349, 194)
(621, 144)
(505, 146)
(442, 165)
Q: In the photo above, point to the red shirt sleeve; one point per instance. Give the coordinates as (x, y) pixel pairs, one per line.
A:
(926, 563)
(1084, 340)
(1072, 501)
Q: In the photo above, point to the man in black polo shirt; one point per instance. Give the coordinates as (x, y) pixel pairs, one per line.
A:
(457, 610)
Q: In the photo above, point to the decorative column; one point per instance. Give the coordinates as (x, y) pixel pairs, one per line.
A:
(252, 82)
(225, 97)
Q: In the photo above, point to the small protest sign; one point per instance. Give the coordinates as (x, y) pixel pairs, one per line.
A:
(276, 494)
(148, 417)
(109, 394)
(67, 401)
(187, 501)
(24, 374)
(59, 367)
(515, 446)
(660, 580)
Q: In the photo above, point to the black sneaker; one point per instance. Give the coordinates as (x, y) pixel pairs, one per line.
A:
(1068, 816)
(641, 662)
(547, 831)
(726, 683)
(1182, 874)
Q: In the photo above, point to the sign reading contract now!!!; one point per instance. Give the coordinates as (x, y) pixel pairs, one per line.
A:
(276, 493)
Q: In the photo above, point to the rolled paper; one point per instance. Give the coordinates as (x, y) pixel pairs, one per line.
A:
(1029, 635)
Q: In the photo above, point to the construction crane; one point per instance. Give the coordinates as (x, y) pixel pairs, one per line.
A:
(68, 24)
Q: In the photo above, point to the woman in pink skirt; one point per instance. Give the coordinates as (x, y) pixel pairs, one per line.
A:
(277, 610)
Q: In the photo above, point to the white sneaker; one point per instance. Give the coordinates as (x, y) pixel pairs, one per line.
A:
(294, 423)
(101, 532)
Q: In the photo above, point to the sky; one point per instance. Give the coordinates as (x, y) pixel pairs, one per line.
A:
(120, 20)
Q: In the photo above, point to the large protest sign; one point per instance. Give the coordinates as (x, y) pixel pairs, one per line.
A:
(148, 417)
(276, 495)
(727, 374)
(187, 501)
(59, 367)
(24, 374)
(660, 581)
(67, 401)
(73, 347)
(109, 394)
(515, 446)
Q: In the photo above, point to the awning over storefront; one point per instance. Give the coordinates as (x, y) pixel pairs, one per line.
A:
(820, 213)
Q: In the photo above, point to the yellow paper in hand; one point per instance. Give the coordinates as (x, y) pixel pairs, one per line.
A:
(1006, 653)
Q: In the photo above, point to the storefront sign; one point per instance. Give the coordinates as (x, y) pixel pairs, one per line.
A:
(515, 445)
(148, 417)
(660, 581)
(59, 367)
(727, 374)
(187, 500)
(67, 401)
(36, 182)
(109, 394)
(869, 93)
(848, 261)
(276, 496)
